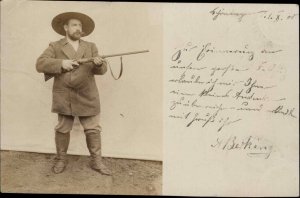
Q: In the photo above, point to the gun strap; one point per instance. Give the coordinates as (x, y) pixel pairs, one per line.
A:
(121, 70)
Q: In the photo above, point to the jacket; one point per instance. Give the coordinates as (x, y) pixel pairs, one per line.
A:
(74, 93)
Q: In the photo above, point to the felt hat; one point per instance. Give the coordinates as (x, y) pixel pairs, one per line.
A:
(58, 22)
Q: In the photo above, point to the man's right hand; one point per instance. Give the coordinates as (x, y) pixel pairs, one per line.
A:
(68, 64)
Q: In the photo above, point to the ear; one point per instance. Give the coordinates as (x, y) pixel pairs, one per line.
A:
(65, 27)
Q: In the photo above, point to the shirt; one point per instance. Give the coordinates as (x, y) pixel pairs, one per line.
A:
(75, 44)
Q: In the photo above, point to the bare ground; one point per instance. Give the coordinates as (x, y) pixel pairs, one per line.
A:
(23, 172)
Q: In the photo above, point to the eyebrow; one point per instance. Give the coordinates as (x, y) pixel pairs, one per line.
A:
(77, 24)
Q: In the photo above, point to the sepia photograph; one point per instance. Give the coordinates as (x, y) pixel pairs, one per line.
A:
(81, 98)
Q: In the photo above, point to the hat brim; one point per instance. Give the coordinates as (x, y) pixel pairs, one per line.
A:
(58, 22)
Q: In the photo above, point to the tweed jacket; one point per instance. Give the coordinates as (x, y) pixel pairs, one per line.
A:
(74, 93)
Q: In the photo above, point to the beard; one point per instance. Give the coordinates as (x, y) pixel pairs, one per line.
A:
(75, 36)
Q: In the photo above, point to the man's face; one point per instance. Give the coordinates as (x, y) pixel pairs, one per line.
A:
(73, 29)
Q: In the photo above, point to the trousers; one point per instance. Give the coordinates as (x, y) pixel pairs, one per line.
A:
(89, 123)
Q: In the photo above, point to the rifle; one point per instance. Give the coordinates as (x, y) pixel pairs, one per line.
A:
(87, 60)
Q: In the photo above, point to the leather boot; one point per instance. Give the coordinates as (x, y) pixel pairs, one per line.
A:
(62, 141)
(93, 142)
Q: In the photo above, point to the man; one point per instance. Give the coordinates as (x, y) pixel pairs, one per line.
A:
(75, 92)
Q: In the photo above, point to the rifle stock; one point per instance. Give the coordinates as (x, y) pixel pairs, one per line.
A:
(87, 60)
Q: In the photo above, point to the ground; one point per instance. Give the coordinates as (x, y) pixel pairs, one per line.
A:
(23, 172)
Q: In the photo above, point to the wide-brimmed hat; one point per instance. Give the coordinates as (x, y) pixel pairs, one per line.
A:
(58, 22)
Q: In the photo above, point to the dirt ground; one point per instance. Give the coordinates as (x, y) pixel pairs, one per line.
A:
(23, 172)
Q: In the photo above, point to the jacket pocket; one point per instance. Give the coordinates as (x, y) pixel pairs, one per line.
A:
(60, 101)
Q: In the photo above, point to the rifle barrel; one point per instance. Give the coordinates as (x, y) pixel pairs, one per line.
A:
(123, 54)
(86, 60)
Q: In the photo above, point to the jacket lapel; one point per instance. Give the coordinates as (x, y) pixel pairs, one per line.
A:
(68, 49)
(81, 49)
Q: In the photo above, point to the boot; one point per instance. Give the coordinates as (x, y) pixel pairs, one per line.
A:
(62, 143)
(93, 142)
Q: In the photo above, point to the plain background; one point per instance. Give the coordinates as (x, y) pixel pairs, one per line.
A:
(131, 108)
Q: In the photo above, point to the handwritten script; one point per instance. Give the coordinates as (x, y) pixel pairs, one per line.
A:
(277, 16)
(220, 87)
(231, 99)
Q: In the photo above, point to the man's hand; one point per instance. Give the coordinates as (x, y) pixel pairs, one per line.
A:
(68, 64)
(98, 61)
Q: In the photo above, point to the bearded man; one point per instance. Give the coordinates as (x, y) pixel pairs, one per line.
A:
(74, 92)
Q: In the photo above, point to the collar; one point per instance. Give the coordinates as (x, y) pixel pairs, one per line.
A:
(64, 41)
(73, 42)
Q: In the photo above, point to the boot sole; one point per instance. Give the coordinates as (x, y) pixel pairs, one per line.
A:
(99, 171)
(58, 172)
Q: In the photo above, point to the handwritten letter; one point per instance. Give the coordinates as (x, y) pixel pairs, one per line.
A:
(231, 104)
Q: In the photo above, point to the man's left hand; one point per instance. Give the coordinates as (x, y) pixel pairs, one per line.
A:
(98, 61)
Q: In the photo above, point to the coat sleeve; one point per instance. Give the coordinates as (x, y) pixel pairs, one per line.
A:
(98, 70)
(47, 63)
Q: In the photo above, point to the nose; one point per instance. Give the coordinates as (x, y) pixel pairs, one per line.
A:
(78, 27)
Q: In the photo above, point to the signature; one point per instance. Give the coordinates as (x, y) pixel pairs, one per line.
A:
(253, 146)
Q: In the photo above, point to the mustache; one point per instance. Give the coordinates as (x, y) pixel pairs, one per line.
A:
(79, 32)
